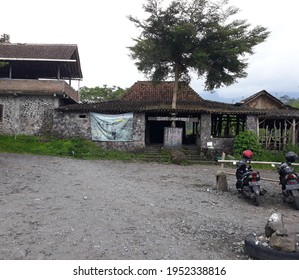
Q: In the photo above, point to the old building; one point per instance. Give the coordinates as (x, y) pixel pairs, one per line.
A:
(280, 123)
(202, 123)
(34, 80)
(36, 96)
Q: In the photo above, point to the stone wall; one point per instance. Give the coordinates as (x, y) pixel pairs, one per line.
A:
(251, 123)
(31, 115)
(208, 144)
(219, 144)
(68, 125)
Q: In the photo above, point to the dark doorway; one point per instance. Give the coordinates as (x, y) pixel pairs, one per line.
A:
(155, 131)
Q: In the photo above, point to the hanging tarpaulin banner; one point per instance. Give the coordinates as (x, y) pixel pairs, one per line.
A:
(112, 127)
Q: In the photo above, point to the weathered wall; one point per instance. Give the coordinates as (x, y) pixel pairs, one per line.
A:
(263, 102)
(29, 115)
(219, 144)
(67, 125)
(252, 123)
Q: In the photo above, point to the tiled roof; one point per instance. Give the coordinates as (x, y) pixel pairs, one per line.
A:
(37, 51)
(120, 106)
(149, 97)
(163, 91)
(285, 113)
(40, 61)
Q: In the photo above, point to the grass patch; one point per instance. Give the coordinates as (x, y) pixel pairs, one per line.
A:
(50, 146)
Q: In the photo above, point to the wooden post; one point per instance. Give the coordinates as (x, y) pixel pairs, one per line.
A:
(223, 158)
(221, 179)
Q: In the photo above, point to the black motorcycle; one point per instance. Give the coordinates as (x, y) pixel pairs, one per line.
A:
(289, 180)
(248, 182)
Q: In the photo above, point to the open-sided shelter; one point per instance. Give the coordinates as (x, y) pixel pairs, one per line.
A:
(34, 80)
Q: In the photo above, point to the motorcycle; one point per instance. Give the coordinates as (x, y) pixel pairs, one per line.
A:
(289, 180)
(248, 182)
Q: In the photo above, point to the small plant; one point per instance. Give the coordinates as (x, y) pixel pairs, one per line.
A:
(247, 140)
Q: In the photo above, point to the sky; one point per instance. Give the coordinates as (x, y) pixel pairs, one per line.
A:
(103, 33)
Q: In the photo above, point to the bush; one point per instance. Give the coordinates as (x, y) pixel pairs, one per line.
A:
(247, 140)
(290, 147)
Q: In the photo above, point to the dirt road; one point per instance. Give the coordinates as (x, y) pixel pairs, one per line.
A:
(58, 208)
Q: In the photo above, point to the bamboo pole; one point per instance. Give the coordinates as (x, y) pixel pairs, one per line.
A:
(294, 132)
(265, 179)
(257, 162)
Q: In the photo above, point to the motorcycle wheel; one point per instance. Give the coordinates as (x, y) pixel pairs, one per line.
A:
(296, 202)
(257, 200)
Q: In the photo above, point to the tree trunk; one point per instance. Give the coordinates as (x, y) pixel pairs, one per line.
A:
(175, 91)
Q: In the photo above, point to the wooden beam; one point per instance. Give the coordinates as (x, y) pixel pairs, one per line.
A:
(253, 162)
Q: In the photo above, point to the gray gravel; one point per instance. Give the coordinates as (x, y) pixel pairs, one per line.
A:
(59, 208)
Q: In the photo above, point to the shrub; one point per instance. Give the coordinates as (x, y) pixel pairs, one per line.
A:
(247, 140)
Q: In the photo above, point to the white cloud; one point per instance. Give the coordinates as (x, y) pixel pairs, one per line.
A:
(103, 33)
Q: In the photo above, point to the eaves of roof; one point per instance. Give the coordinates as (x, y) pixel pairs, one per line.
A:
(121, 106)
(37, 87)
(282, 114)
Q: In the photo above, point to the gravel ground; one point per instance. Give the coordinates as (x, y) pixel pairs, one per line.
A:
(59, 208)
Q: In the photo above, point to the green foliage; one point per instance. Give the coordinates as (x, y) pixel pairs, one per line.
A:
(194, 35)
(290, 147)
(294, 102)
(247, 140)
(75, 147)
(2, 64)
(97, 94)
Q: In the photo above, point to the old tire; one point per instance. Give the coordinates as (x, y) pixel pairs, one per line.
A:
(260, 252)
(257, 200)
(296, 202)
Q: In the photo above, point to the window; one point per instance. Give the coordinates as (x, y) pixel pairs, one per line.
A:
(227, 125)
(1, 112)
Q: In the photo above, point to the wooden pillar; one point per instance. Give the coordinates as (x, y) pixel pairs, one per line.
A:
(258, 128)
(58, 73)
(294, 132)
(285, 133)
(10, 71)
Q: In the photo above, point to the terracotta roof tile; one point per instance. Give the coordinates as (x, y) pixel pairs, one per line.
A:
(149, 97)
